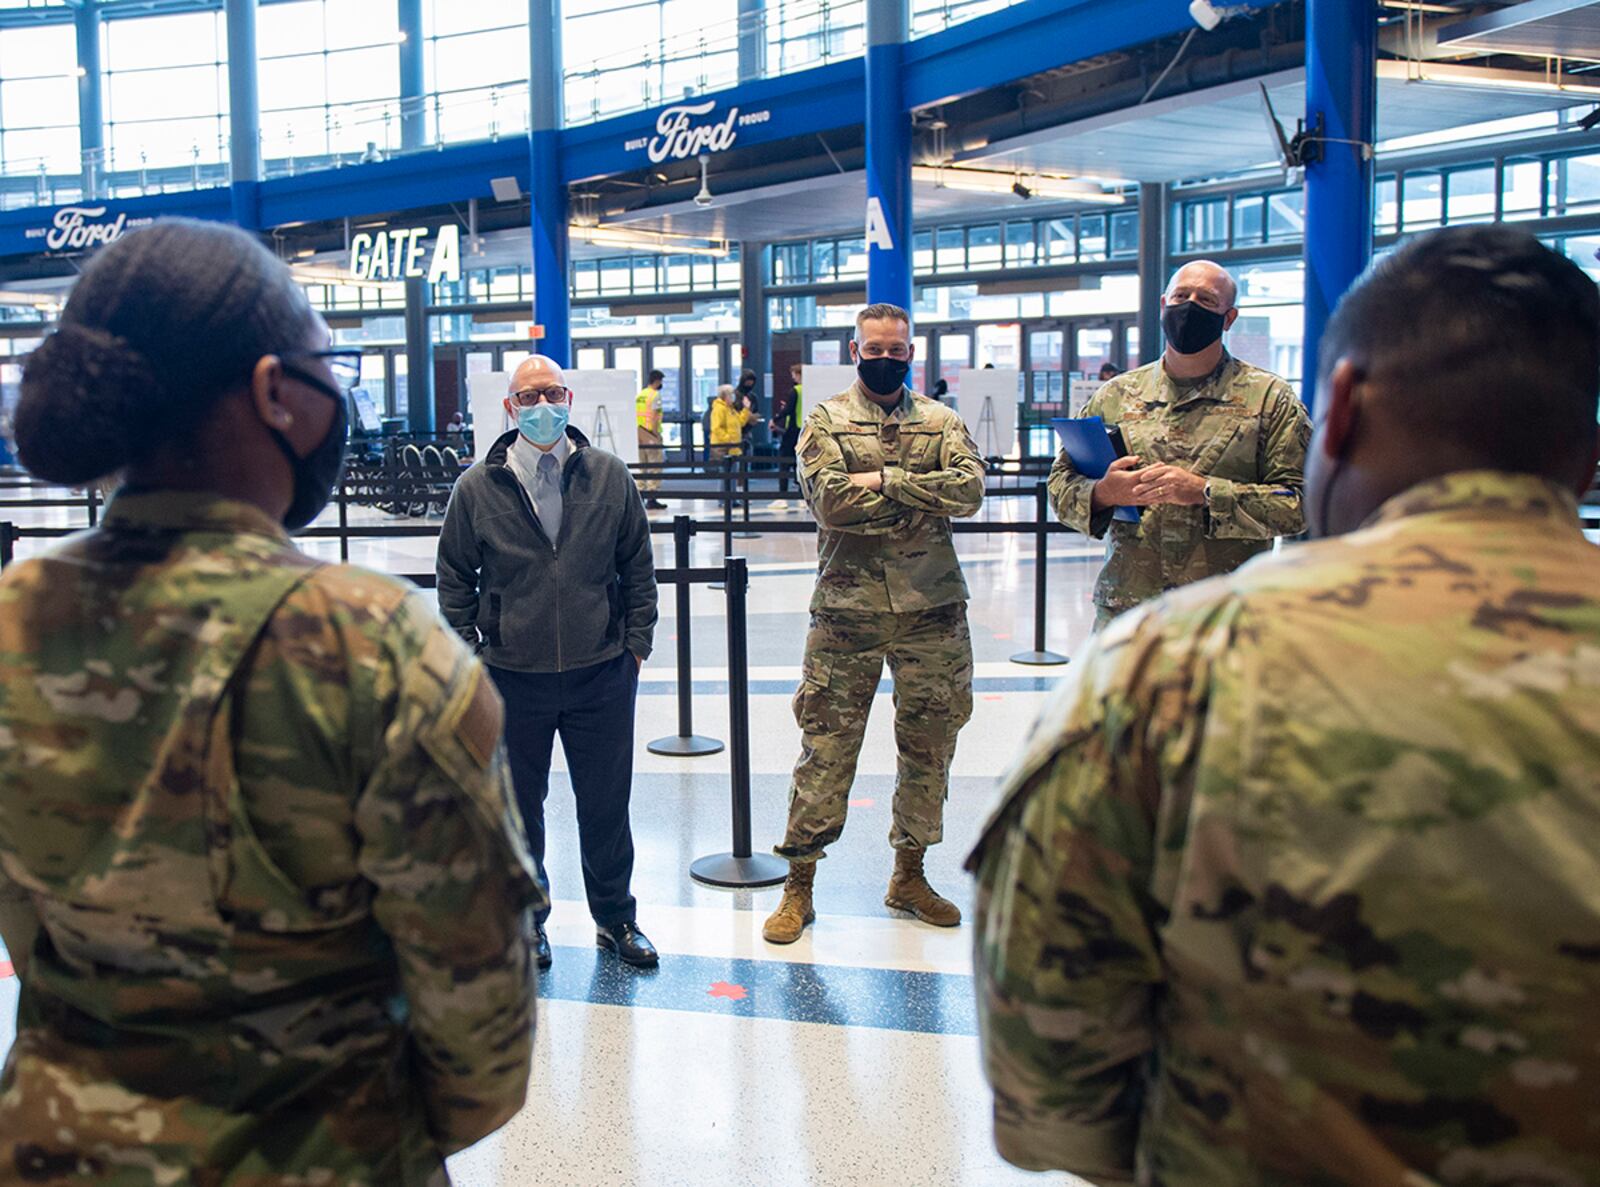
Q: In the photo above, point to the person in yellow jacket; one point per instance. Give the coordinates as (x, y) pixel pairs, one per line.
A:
(729, 414)
(647, 412)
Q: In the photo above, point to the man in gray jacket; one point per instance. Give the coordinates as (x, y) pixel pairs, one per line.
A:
(545, 566)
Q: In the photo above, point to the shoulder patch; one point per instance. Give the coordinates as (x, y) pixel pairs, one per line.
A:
(478, 729)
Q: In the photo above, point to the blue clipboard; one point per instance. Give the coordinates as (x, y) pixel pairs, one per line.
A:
(1089, 446)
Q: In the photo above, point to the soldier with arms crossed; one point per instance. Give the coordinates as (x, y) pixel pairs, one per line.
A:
(884, 470)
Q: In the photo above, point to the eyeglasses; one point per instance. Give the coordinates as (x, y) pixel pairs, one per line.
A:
(343, 365)
(874, 351)
(544, 395)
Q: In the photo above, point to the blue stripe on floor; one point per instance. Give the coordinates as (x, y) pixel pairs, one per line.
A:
(882, 999)
(665, 688)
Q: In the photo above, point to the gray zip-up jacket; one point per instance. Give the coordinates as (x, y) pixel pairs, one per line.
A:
(531, 604)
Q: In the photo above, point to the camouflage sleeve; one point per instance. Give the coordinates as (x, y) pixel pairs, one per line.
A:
(1066, 963)
(457, 565)
(836, 502)
(19, 923)
(954, 490)
(1072, 493)
(442, 843)
(1275, 505)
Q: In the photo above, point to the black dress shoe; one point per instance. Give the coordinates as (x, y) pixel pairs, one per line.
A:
(630, 944)
(655, 505)
(541, 949)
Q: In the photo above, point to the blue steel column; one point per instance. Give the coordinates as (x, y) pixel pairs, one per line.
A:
(888, 157)
(91, 119)
(244, 113)
(547, 95)
(1341, 87)
(413, 84)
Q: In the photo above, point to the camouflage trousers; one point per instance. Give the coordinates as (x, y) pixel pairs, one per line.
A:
(930, 662)
(650, 454)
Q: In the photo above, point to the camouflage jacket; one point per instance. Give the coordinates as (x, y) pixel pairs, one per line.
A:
(1296, 881)
(888, 552)
(1243, 429)
(257, 807)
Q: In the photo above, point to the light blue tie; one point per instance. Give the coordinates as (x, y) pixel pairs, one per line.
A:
(550, 496)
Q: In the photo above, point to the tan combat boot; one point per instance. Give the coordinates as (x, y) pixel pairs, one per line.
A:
(909, 891)
(785, 924)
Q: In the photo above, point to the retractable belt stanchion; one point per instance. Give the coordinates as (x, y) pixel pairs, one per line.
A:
(741, 867)
(745, 533)
(94, 509)
(344, 523)
(727, 512)
(685, 743)
(1039, 656)
(8, 543)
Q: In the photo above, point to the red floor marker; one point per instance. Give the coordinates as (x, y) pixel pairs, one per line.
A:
(7, 969)
(864, 803)
(734, 993)
(1002, 636)
(993, 696)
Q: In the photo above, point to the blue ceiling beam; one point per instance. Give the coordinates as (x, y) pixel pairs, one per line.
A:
(1034, 37)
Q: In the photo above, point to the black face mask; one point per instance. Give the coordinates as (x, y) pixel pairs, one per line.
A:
(883, 376)
(316, 474)
(1191, 328)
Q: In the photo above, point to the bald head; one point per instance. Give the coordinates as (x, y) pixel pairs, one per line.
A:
(538, 371)
(1204, 282)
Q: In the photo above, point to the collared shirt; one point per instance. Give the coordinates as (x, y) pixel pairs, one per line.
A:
(525, 460)
(1296, 880)
(887, 551)
(1241, 428)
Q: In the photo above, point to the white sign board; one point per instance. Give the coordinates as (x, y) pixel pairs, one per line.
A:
(823, 381)
(987, 400)
(603, 410)
(1078, 395)
(486, 395)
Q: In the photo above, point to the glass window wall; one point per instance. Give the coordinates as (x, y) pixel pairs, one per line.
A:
(39, 100)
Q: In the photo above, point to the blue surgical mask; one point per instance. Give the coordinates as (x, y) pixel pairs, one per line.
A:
(543, 424)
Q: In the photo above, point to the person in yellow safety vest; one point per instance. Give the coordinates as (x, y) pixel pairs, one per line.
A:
(647, 412)
(786, 424)
(730, 412)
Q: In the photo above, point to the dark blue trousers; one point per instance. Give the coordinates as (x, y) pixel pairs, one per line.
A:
(592, 709)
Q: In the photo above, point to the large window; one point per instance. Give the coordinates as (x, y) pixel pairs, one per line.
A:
(932, 16)
(330, 79)
(477, 69)
(39, 99)
(166, 90)
(626, 54)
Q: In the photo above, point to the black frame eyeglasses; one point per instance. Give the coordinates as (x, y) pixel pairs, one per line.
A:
(343, 365)
(555, 394)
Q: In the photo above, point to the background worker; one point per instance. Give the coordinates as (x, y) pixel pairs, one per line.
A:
(647, 413)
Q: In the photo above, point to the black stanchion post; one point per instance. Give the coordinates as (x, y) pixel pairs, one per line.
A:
(727, 512)
(92, 497)
(8, 543)
(344, 522)
(741, 867)
(685, 743)
(744, 492)
(1040, 656)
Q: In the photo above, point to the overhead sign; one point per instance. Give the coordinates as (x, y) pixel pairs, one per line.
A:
(399, 254)
(83, 228)
(689, 129)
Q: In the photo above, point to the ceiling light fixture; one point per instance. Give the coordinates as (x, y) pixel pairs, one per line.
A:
(1023, 185)
(326, 274)
(662, 241)
(1484, 77)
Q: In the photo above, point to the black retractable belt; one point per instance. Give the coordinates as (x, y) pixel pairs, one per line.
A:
(1040, 656)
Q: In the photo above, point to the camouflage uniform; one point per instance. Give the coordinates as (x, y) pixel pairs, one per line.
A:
(888, 587)
(1242, 428)
(258, 808)
(1296, 882)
